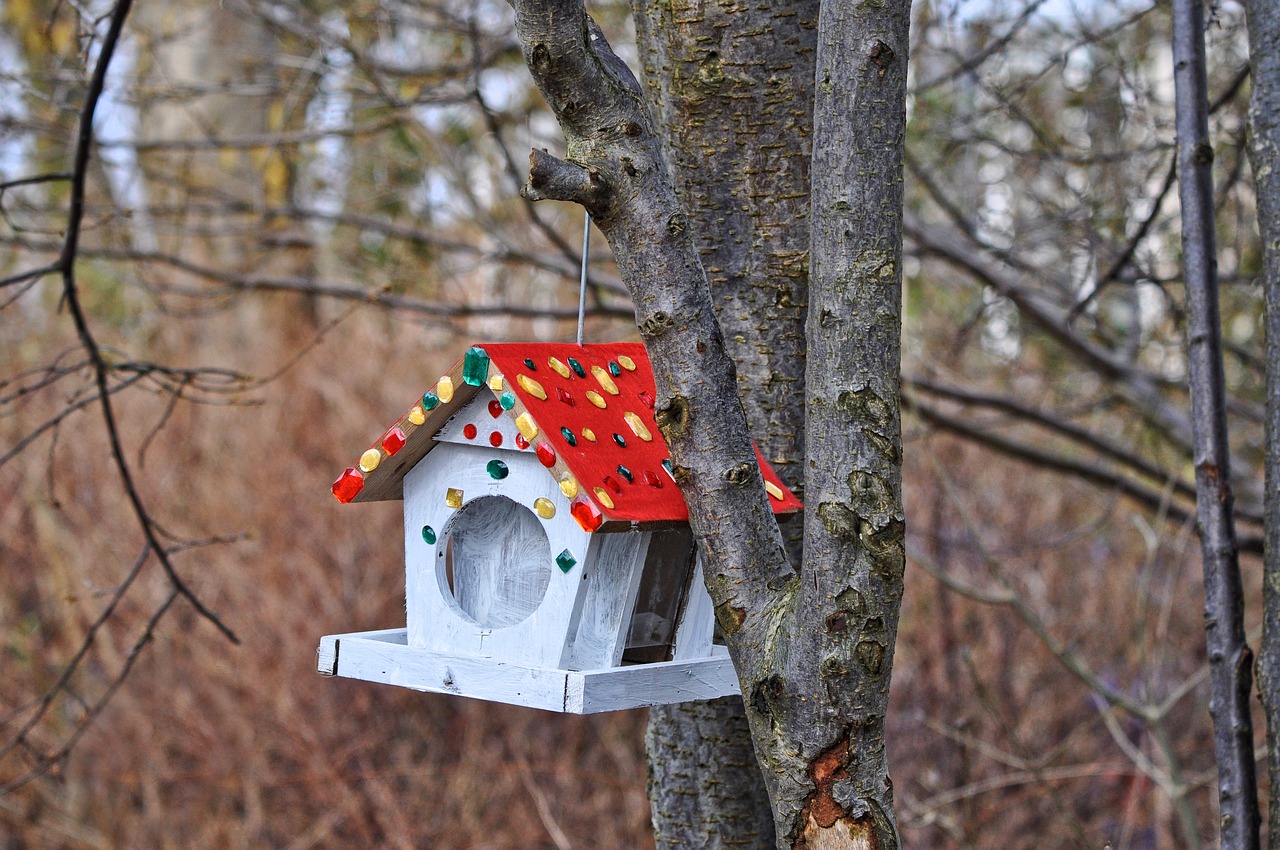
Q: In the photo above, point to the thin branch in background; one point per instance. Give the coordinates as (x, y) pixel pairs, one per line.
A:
(1230, 658)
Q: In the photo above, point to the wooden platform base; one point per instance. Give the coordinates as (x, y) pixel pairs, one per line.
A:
(385, 656)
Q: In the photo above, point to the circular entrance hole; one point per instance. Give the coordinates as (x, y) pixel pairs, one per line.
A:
(495, 561)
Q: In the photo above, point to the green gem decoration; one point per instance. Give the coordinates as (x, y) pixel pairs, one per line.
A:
(626, 473)
(430, 400)
(577, 368)
(475, 366)
(565, 561)
(622, 443)
(614, 369)
(497, 470)
(528, 361)
(429, 534)
(507, 400)
(666, 464)
(569, 436)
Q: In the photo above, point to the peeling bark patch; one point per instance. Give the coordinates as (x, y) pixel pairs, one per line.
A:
(882, 56)
(657, 324)
(838, 520)
(765, 693)
(738, 475)
(825, 823)
(838, 622)
(673, 417)
(677, 224)
(870, 656)
(730, 618)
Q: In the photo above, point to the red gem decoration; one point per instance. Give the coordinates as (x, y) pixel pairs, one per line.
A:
(563, 395)
(469, 431)
(651, 479)
(587, 514)
(495, 409)
(546, 455)
(521, 442)
(348, 485)
(393, 441)
(646, 398)
(495, 439)
(612, 484)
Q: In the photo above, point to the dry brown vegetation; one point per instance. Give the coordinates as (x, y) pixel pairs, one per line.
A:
(1030, 593)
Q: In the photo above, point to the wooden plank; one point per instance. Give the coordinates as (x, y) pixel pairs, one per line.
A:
(663, 683)
(598, 628)
(393, 662)
(696, 622)
(384, 656)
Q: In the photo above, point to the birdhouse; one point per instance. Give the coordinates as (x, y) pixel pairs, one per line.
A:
(548, 557)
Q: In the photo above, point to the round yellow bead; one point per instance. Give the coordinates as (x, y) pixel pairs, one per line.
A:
(416, 416)
(544, 508)
(369, 460)
(444, 388)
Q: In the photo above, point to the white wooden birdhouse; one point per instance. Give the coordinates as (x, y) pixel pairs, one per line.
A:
(548, 557)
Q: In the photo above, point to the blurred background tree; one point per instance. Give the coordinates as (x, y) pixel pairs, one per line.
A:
(297, 213)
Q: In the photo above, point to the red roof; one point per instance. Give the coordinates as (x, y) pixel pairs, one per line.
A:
(591, 405)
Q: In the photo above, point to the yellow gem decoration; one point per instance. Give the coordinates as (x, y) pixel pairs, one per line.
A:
(544, 508)
(561, 369)
(453, 497)
(595, 398)
(627, 363)
(605, 379)
(444, 388)
(602, 496)
(528, 429)
(588, 435)
(416, 416)
(774, 490)
(637, 426)
(532, 387)
(495, 383)
(569, 486)
(369, 460)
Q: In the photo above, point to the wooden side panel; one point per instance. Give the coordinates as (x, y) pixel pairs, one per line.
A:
(696, 623)
(435, 619)
(599, 624)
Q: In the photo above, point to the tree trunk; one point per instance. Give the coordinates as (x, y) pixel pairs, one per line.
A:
(732, 93)
(1264, 156)
(1230, 660)
(812, 650)
(847, 611)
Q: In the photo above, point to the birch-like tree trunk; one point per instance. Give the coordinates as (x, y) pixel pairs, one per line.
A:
(1264, 156)
(813, 648)
(1230, 659)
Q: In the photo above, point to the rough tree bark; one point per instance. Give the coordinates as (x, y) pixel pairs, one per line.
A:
(1264, 157)
(1230, 659)
(813, 648)
(731, 89)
